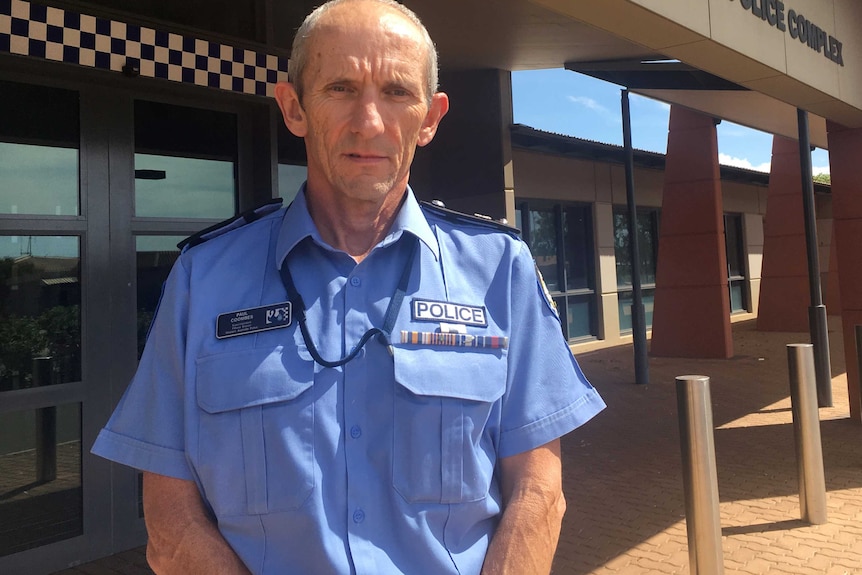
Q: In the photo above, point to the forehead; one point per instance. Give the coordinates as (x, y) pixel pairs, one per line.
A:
(359, 34)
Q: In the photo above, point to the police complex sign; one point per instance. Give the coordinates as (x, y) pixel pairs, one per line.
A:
(798, 26)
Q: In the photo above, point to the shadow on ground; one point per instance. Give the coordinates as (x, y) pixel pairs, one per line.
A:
(622, 471)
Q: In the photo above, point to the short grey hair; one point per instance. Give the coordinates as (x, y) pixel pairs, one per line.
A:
(299, 54)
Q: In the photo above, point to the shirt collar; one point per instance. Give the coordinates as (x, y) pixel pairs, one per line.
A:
(298, 225)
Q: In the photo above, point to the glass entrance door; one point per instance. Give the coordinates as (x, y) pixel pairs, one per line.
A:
(96, 188)
(41, 387)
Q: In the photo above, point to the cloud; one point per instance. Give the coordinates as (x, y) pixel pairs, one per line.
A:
(608, 116)
(729, 160)
(588, 103)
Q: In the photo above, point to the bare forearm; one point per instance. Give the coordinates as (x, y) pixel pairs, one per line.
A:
(533, 509)
(183, 540)
(527, 536)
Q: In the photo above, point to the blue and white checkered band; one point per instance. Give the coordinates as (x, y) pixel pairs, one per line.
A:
(30, 29)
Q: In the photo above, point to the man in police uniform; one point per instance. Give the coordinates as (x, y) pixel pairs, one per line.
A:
(355, 384)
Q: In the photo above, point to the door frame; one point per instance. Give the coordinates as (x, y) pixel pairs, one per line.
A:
(107, 228)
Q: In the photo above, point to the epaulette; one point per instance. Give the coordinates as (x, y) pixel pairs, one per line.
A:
(439, 208)
(230, 224)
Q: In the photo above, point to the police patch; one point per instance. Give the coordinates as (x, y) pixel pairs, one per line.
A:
(253, 320)
(548, 299)
(448, 312)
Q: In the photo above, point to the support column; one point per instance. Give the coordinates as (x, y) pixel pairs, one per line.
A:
(845, 152)
(692, 309)
(468, 165)
(784, 294)
(832, 290)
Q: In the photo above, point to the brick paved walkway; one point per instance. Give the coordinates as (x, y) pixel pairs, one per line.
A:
(623, 471)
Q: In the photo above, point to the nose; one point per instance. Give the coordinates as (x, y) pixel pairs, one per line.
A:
(367, 117)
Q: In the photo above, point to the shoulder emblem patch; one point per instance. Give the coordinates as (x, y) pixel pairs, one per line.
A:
(548, 299)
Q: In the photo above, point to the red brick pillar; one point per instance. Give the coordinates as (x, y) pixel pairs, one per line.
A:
(784, 293)
(691, 317)
(831, 289)
(845, 159)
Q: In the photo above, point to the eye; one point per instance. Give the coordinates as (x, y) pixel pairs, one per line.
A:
(399, 92)
(338, 89)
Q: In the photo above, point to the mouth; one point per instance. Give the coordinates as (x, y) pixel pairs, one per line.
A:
(364, 156)
(366, 159)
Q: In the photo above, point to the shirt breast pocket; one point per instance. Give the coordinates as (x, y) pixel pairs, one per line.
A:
(256, 430)
(446, 422)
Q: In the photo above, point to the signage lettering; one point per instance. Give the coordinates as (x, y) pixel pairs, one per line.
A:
(797, 25)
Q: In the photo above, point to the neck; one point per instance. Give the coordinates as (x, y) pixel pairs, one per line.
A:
(352, 226)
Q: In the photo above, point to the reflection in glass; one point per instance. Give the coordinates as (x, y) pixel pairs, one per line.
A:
(560, 237)
(734, 245)
(156, 255)
(735, 250)
(543, 245)
(578, 316)
(40, 477)
(647, 229)
(39, 141)
(289, 179)
(40, 317)
(185, 162)
(186, 187)
(737, 297)
(578, 237)
(625, 302)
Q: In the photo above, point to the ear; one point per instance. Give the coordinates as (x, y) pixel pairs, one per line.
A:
(291, 109)
(438, 109)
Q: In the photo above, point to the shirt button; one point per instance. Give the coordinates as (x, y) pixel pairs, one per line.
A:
(358, 516)
(355, 281)
(355, 432)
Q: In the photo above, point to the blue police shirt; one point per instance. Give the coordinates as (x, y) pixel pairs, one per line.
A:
(386, 464)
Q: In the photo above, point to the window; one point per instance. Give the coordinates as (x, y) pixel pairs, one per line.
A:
(40, 303)
(736, 279)
(41, 500)
(40, 317)
(647, 229)
(185, 171)
(292, 163)
(185, 162)
(39, 143)
(560, 237)
(155, 257)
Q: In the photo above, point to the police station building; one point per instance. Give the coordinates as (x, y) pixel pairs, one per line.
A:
(127, 126)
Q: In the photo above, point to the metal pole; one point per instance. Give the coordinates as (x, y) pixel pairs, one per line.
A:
(817, 311)
(638, 315)
(46, 426)
(702, 518)
(806, 431)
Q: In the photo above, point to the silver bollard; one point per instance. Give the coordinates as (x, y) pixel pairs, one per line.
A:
(702, 518)
(806, 432)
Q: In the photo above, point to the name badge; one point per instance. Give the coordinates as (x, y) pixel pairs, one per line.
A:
(447, 312)
(245, 321)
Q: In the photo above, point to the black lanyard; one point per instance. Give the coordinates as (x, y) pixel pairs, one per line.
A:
(383, 333)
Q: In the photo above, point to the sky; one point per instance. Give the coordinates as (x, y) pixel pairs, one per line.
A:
(574, 104)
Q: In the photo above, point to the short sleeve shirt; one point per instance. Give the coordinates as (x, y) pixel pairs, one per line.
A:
(383, 465)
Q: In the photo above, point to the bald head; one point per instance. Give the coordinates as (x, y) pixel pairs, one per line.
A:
(389, 13)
